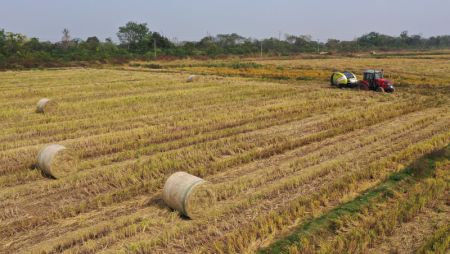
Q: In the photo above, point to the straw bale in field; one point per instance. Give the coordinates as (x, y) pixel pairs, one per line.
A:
(56, 160)
(188, 194)
(45, 106)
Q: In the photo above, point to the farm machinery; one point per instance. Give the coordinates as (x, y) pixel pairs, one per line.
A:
(372, 80)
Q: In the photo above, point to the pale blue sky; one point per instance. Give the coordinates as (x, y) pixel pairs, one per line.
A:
(191, 20)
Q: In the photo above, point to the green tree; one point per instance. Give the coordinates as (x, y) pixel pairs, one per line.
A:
(161, 41)
(332, 44)
(92, 43)
(13, 43)
(2, 39)
(33, 45)
(135, 37)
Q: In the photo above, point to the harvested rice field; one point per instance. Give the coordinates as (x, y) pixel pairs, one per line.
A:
(296, 166)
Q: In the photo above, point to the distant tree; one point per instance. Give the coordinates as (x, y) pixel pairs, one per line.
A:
(304, 43)
(332, 44)
(93, 40)
(290, 38)
(65, 40)
(33, 45)
(161, 41)
(135, 37)
(14, 43)
(416, 41)
(306, 37)
(229, 40)
(92, 43)
(209, 46)
(2, 37)
(2, 44)
(137, 41)
(404, 35)
(75, 41)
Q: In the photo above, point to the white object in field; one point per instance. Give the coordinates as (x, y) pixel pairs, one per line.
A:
(187, 194)
(192, 78)
(42, 103)
(55, 160)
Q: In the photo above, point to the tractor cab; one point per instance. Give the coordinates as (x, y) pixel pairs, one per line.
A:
(371, 75)
(375, 81)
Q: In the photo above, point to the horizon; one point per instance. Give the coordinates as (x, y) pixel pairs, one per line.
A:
(181, 21)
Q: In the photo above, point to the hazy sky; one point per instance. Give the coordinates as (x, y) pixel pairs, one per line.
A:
(192, 20)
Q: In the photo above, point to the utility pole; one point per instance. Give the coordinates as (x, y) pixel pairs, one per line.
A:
(318, 46)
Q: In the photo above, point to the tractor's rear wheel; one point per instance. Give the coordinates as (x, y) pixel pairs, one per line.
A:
(363, 86)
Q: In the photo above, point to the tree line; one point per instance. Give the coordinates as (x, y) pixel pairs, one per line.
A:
(137, 41)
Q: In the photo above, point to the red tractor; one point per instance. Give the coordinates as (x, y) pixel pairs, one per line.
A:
(374, 80)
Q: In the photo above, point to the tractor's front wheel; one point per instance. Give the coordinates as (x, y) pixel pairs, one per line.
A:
(380, 90)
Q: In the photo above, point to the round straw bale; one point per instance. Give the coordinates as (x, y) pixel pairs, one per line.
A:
(56, 160)
(45, 106)
(192, 78)
(188, 194)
